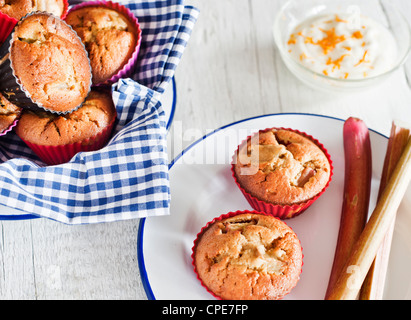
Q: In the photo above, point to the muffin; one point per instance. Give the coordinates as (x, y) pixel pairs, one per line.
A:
(17, 9)
(9, 114)
(47, 65)
(57, 138)
(110, 37)
(281, 171)
(247, 255)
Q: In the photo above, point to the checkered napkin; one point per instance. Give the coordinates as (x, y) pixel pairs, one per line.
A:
(129, 177)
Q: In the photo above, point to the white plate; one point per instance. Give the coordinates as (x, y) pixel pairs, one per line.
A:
(168, 100)
(202, 188)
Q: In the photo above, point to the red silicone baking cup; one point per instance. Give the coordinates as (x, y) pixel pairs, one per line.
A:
(65, 9)
(129, 67)
(282, 211)
(54, 155)
(222, 217)
(6, 26)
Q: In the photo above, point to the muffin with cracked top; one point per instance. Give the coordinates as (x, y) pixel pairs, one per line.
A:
(111, 36)
(247, 255)
(17, 9)
(281, 171)
(56, 138)
(46, 66)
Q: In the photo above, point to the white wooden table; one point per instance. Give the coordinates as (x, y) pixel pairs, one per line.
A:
(230, 71)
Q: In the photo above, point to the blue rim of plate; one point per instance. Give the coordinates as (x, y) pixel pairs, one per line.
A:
(30, 216)
(174, 103)
(140, 235)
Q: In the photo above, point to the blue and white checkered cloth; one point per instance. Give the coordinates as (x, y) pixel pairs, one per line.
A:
(129, 177)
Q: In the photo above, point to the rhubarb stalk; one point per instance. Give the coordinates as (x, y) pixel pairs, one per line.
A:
(357, 188)
(373, 286)
(365, 249)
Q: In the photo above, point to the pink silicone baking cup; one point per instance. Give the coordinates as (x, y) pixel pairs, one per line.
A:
(222, 217)
(129, 67)
(6, 26)
(282, 211)
(54, 155)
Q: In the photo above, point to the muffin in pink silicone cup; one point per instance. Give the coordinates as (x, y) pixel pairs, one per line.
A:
(112, 37)
(282, 171)
(17, 9)
(9, 115)
(57, 138)
(247, 255)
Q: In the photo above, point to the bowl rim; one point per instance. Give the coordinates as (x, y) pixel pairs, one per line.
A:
(284, 54)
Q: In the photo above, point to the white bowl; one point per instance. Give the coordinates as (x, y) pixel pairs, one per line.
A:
(384, 11)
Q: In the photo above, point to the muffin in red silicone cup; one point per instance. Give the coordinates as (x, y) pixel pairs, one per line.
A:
(247, 255)
(17, 9)
(112, 36)
(44, 65)
(57, 138)
(9, 115)
(281, 171)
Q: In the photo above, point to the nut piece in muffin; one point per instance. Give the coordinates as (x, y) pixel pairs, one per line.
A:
(8, 113)
(17, 9)
(48, 129)
(50, 62)
(248, 256)
(282, 167)
(110, 38)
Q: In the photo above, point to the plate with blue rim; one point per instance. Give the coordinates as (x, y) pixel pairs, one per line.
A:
(202, 188)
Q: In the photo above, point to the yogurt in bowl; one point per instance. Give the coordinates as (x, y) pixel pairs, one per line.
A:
(328, 45)
(342, 46)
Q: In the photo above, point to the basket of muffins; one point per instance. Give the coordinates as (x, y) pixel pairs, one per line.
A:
(57, 65)
(254, 254)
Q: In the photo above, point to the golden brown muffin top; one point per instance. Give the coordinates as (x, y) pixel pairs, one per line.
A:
(45, 128)
(249, 256)
(110, 39)
(51, 63)
(282, 167)
(8, 113)
(17, 9)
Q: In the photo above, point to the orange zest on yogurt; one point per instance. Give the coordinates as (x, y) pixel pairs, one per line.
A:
(331, 39)
(336, 63)
(329, 44)
(357, 34)
(362, 60)
(338, 19)
(292, 39)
